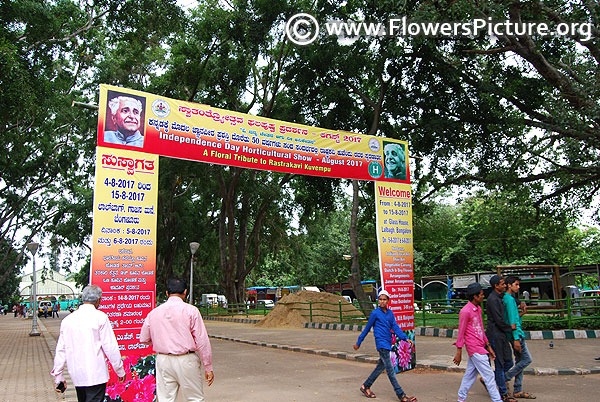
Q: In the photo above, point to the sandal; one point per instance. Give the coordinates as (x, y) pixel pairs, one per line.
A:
(367, 392)
(508, 398)
(524, 395)
(406, 398)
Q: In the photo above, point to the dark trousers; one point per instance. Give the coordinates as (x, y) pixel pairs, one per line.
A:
(94, 393)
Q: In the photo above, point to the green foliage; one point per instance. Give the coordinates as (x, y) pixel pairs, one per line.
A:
(495, 229)
(507, 130)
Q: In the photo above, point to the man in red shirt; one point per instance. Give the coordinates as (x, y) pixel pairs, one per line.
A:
(177, 333)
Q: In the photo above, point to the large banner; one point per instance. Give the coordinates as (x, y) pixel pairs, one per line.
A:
(134, 128)
(394, 237)
(185, 130)
(124, 240)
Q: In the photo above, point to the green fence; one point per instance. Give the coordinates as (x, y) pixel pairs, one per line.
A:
(568, 313)
(232, 310)
(314, 311)
(320, 311)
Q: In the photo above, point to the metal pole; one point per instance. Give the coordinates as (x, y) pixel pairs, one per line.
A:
(192, 279)
(193, 248)
(32, 247)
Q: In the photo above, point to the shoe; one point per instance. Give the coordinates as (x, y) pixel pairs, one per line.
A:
(597, 358)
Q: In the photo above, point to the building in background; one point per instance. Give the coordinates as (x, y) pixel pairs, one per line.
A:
(52, 286)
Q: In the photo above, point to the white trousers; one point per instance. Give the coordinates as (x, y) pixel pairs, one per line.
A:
(179, 378)
(478, 364)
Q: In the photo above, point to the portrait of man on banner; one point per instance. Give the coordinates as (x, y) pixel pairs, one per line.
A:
(394, 157)
(125, 119)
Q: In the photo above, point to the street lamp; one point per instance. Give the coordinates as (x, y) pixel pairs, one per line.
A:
(32, 247)
(193, 248)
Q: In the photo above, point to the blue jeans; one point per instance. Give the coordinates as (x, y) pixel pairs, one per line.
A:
(499, 370)
(385, 363)
(521, 362)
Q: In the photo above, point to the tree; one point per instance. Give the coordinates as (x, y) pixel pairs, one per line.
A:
(39, 55)
(491, 229)
(519, 110)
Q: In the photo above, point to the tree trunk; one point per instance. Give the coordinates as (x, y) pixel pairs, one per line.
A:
(235, 237)
(355, 279)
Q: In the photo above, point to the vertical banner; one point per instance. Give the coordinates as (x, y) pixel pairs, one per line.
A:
(394, 237)
(124, 241)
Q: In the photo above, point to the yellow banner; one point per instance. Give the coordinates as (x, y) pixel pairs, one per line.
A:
(124, 239)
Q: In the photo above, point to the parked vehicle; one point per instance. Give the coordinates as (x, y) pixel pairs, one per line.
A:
(222, 300)
(47, 305)
(210, 299)
(588, 300)
(265, 304)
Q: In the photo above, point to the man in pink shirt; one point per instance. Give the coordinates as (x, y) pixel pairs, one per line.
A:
(472, 335)
(85, 338)
(176, 331)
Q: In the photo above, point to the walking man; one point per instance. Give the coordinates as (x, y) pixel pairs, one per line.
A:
(472, 335)
(500, 334)
(383, 322)
(86, 337)
(177, 333)
(522, 356)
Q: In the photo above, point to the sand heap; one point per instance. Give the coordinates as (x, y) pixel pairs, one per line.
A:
(293, 310)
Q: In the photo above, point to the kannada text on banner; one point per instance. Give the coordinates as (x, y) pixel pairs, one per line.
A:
(124, 240)
(394, 232)
(203, 133)
(394, 236)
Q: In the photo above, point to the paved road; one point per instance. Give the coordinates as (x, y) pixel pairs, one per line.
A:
(248, 373)
(567, 353)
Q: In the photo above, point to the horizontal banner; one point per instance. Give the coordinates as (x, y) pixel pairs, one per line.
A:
(153, 124)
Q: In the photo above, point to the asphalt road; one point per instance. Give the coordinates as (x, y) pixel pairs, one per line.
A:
(248, 373)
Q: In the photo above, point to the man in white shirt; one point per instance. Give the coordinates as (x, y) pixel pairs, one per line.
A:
(86, 337)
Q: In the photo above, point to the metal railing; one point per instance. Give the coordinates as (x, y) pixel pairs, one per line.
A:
(339, 312)
(232, 310)
(564, 313)
(314, 311)
(569, 313)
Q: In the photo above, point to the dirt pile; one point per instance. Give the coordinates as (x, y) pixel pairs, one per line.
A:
(295, 309)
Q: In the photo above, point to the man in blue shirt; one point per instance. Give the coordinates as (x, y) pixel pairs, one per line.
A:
(383, 322)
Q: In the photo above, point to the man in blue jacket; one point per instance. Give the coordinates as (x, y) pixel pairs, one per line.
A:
(383, 322)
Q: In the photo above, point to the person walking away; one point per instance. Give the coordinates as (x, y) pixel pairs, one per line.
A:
(85, 338)
(55, 310)
(500, 334)
(522, 355)
(472, 335)
(177, 333)
(383, 322)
